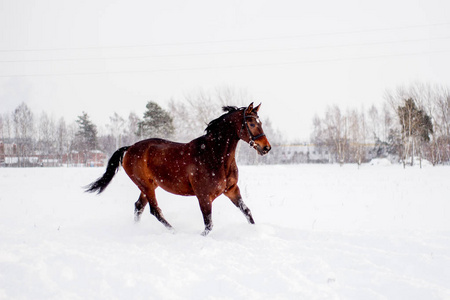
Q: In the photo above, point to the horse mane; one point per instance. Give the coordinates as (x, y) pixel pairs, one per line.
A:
(216, 124)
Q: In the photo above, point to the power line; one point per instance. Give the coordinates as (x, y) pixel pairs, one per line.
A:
(226, 67)
(230, 40)
(227, 52)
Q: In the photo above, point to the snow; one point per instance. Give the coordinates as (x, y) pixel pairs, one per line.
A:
(380, 162)
(322, 232)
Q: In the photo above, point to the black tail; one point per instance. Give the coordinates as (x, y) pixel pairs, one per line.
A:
(113, 165)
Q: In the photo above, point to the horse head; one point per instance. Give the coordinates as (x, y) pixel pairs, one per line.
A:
(252, 131)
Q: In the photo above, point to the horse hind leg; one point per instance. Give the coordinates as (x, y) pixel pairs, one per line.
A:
(156, 211)
(139, 207)
(154, 208)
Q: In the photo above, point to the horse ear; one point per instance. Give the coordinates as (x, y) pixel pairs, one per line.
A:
(249, 109)
(256, 109)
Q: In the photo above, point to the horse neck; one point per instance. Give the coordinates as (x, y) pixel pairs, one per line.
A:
(224, 143)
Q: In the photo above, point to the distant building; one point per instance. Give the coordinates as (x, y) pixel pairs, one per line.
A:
(310, 153)
(93, 158)
(9, 157)
(301, 153)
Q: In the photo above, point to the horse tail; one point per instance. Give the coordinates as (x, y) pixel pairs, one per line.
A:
(113, 165)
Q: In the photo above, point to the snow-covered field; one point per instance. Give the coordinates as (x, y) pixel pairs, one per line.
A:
(322, 232)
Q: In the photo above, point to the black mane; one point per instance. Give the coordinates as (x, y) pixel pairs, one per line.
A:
(216, 124)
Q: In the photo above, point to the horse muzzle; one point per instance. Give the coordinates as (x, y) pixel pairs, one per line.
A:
(262, 149)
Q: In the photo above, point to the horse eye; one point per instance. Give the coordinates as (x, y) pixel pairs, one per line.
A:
(252, 125)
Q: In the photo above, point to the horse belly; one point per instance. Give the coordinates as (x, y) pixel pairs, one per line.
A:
(173, 179)
(176, 186)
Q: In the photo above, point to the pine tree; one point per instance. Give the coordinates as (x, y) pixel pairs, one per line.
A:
(416, 129)
(156, 123)
(87, 133)
(415, 122)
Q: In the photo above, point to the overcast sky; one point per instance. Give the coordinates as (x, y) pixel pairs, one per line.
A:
(296, 57)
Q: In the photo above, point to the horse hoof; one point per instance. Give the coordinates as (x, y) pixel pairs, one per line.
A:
(206, 232)
(169, 227)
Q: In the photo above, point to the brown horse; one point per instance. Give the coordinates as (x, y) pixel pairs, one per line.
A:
(205, 167)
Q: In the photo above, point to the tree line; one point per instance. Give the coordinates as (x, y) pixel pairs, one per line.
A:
(27, 139)
(413, 124)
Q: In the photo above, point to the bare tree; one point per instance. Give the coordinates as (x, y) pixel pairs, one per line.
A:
(357, 136)
(192, 114)
(442, 125)
(47, 137)
(2, 128)
(387, 122)
(116, 127)
(2, 142)
(336, 131)
(23, 129)
(187, 127)
(203, 107)
(73, 155)
(374, 120)
(7, 126)
(228, 95)
(131, 129)
(62, 139)
(7, 136)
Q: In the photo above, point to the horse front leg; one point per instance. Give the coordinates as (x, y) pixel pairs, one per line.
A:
(234, 194)
(246, 211)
